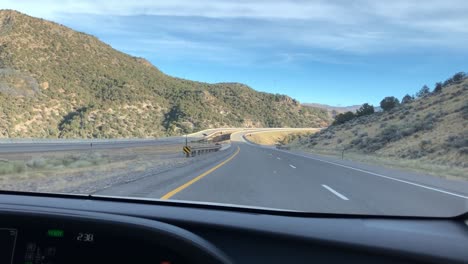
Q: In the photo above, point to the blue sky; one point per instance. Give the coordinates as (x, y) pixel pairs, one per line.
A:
(334, 52)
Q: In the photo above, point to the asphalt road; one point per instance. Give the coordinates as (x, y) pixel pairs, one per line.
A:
(251, 175)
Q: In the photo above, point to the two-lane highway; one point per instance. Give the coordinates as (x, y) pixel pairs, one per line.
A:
(265, 177)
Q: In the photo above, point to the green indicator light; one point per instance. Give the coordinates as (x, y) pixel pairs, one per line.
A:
(55, 233)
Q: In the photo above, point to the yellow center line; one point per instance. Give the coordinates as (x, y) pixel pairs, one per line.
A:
(187, 184)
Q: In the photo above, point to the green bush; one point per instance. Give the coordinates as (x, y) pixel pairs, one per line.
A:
(11, 167)
(407, 99)
(365, 109)
(389, 103)
(457, 141)
(423, 92)
(343, 118)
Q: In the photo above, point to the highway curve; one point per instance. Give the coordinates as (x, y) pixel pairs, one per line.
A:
(252, 175)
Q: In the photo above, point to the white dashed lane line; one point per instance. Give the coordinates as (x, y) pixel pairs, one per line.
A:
(278, 158)
(335, 192)
(380, 175)
(292, 166)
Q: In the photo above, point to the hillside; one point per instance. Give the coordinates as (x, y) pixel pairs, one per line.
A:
(333, 110)
(56, 82)
(431, 130)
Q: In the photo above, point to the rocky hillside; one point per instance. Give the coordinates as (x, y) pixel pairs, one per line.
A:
(56, 82)
(431, 129)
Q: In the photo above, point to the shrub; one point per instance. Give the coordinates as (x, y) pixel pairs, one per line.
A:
(343, 118)
(424, 144)
(390, 134)
(372, 145)
(38, 163)
(365, 109)
(389, 103)
(457, 141)
(438, 88)
(11, 167)
(407, 99)
(356, 142)
(458, 77)
(464, 111)
(463, 150)
(414, 154)
(423, 92)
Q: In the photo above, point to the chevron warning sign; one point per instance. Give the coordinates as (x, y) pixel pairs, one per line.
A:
(187, 149)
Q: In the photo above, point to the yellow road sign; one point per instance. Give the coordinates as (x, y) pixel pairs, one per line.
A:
(187, 150)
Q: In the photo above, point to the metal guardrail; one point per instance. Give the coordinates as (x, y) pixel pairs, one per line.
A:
(82, 141)
(192, 151)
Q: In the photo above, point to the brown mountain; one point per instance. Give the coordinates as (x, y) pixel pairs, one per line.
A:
(56, 82)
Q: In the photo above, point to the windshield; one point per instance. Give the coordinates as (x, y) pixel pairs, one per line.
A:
(348, 107)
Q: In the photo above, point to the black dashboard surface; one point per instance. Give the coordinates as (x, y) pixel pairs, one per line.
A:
(125, 231)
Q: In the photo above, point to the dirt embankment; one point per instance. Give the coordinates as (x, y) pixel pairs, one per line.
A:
(271, 138)
(428, 134)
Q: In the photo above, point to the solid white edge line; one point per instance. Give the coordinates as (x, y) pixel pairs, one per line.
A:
(335, 192)
(292, 166)
(368, 172)
(380, 175)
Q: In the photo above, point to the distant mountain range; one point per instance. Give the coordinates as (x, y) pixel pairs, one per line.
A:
(56, 82)
(333, 110)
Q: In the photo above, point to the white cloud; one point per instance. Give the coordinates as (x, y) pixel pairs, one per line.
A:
(335, 11)
(356, 27)
(204, 8)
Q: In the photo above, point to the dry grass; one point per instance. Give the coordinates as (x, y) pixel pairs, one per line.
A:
(53, 171)
(271, 138)
(441, 116)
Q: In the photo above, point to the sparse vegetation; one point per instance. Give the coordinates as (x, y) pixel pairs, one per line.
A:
(427, 133)
(55, 163)
(11, 167)
(279, 137)
(59, 83)
(85, 171)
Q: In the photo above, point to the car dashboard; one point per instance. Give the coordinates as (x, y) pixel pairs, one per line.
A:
(54, 229)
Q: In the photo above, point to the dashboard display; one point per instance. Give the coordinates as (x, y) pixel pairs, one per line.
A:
(7, 244)
(39, 241)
